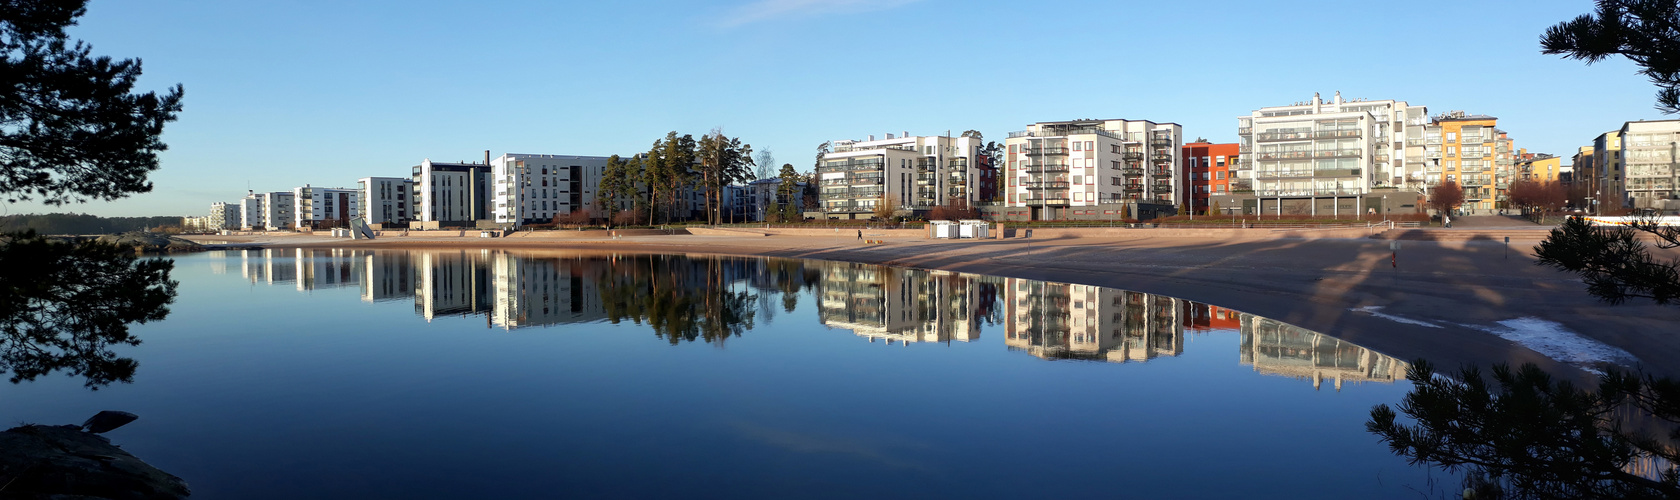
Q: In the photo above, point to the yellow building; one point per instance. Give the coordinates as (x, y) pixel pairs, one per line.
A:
(1468, 150)
(1539, 168)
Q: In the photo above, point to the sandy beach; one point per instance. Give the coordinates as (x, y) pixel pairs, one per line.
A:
(1470, 298)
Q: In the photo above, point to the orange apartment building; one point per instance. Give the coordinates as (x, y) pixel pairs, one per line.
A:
(1207, 172)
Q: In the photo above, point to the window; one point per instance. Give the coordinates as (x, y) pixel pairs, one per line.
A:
(1077, 146)
(1452, 136)
(1090, 145)
(1012, 151)
(1219, 175)
(1219, 161)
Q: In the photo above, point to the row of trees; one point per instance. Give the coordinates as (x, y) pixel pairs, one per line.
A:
(652, 183)
(81, 223)
(1527, 195)
(648, 187)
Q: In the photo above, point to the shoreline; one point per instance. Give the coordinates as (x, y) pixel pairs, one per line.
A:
(1452, 302)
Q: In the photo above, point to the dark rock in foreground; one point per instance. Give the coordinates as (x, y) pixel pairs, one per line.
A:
(62, 462)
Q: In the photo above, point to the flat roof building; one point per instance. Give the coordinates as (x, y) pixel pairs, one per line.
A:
(1066, 168)
(1323, 157)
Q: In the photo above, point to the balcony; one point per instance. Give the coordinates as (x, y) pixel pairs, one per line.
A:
(1244, 130)
(1133, 188)
(1161, 158)
(1047, 185)
(1132, 156)
(1160, 172)
(1283, 174)
(1161, 188)
(1414, 142)
(1157, 142)
(1047, 151)
(1045, 168)
(1131, 171)
(926, 178)
(1266, 193)
(1339, 153)
(1285, 155)
(1283, 136)
(1039, 202)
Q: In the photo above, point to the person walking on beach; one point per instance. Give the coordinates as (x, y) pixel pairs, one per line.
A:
(860, 234)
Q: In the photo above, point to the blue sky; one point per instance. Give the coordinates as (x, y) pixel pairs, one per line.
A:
(280, 93)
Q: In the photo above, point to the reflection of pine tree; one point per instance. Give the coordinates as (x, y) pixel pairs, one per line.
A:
(681, 298)
(64, 304)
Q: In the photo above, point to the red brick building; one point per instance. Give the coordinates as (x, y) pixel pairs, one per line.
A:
(1207, 171)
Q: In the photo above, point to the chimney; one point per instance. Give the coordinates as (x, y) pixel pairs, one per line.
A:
(486, 157)
(871, 137)
(889, 137)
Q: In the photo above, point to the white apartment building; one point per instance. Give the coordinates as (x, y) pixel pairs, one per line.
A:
(224, 215)
(1078, 167)
(1325, 157)
(908, 173)
(452, 193)
(531, 188)
(266, 211)
(1648, 151)
(385, 200)
(323, 208)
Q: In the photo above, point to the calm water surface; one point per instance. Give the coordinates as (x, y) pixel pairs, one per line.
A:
(490, 374)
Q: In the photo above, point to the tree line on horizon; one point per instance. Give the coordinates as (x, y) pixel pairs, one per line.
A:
(71, 223)
(648, 187)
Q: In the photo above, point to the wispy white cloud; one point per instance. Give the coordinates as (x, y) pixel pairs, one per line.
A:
(766, 10)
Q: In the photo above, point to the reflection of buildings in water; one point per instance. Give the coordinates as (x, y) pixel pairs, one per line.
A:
(544, 291)
(387, 276)
(327, 268)
(902, 305)
(1202, 317)
(269, 265)
(1067, 321)
(452, 283)
(219, 261)
(1275, 348)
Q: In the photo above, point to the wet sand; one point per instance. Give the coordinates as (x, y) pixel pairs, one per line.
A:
(1444, 302)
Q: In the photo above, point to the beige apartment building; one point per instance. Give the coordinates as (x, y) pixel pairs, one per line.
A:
(1093, 168)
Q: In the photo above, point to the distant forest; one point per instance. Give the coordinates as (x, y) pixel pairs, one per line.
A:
(82, 223)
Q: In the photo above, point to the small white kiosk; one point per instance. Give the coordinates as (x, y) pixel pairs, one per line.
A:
(959, 229)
